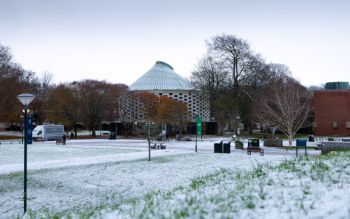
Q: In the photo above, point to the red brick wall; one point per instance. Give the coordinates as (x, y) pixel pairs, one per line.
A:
(331, 106)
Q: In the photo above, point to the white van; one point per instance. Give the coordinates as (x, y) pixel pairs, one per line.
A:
(47, 132)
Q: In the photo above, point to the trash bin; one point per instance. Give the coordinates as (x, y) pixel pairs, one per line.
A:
(218, 147)
(301, 142)
(253, 142)
(227, 147)
(311, 138)
(112, 135)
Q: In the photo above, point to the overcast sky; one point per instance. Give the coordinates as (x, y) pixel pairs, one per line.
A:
(119, 41)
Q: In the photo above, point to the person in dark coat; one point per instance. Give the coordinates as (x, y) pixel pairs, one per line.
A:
(64, 138)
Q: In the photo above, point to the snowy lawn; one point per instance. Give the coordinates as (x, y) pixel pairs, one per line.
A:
(309, 187)
(86, 175)
(44, 151)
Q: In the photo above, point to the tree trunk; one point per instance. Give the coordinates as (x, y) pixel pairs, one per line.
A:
(149, 149)
(149, 142)
(290, 140)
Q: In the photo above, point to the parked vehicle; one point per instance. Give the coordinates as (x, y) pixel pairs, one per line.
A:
(48, 132)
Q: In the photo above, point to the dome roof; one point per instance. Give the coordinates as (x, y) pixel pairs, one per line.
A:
(161, 77)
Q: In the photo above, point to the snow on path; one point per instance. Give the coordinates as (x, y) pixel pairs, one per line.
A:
(10, 168)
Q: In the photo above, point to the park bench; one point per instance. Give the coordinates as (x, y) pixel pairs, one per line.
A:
(158, 146)
(60, 141)
(251, 149)
(254, 146)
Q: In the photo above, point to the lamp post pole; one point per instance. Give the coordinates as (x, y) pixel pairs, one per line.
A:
(149, 141)
(25, 99)
(195, 149)
(25, 158)
(198, 128)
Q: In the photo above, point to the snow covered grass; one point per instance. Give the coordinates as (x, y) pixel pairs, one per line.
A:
(314, 187)
(84, 176)
(307, 187)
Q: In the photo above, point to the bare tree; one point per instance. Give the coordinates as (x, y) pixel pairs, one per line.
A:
(63, 106)
(94, 98)
(150, 109)
(286, 105)
(231, 75)
(211, 80)
(46, 79)
(13, 81)
(234, 56)
(5, 58)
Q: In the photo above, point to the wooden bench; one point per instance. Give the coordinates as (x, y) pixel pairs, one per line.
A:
(251, 149)
(158, 146)
(60, 141)
(162, 146)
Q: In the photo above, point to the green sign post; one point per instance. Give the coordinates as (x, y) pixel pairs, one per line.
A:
(199, 128)
(199, 125)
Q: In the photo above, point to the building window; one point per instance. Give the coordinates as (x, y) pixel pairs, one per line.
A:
(335, 124)
(347, 124)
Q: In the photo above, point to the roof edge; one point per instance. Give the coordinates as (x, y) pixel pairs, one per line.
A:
(164, 63)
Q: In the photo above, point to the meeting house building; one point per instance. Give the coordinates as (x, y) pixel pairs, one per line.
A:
(162, 80)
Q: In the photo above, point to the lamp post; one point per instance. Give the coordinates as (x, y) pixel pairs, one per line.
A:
(25, 99)
(149, 140)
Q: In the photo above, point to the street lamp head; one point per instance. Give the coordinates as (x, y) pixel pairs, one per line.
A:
(25, 98)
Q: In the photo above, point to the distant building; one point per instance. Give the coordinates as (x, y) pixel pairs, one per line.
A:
(332, 110)
(162, 80)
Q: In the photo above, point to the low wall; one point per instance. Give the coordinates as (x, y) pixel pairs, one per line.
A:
(329, 146)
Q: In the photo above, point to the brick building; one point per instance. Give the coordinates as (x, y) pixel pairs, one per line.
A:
(332, 112)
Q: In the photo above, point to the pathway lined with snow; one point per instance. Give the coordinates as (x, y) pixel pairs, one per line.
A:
(72, 162)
